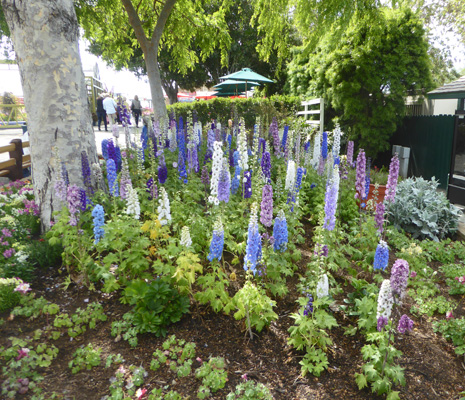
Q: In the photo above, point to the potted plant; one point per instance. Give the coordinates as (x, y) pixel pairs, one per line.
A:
(378, 181)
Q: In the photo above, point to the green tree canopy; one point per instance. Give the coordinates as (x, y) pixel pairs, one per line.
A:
(366, 75)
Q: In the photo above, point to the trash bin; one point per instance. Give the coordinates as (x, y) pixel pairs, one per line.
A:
(24, 128)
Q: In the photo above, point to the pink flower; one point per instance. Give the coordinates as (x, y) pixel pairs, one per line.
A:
(449, 315)
(141, 393)
(461, 279)
(9, 252)
(244, 377)
(6, 232)
(24, 352)
(413, 274)
(23, 288)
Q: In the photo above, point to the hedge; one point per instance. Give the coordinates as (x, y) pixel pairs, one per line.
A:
(223, 109)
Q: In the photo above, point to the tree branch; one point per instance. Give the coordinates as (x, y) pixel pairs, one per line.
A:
(136, 24)
(161, 22)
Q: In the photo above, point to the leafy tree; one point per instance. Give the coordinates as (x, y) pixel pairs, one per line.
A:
(366, 75)
(120, 27)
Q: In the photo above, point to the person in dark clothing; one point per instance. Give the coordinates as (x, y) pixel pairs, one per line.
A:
(101, 113)
(136, 109)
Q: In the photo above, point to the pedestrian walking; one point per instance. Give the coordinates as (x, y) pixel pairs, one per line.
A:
(101, 113)
(136, 109)
(110, 107)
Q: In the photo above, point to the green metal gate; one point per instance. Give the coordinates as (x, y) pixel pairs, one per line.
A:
(430, 140)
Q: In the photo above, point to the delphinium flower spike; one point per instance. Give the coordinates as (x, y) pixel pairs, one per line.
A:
(217, 164)
(379, 217)
(86, 175)
(164, 209)
(266, 166)
(350, 153)
(336, 149)
(266, 208)
(324, 146)
(290, 176)
(125, 180)
(133, 205)
(385, 302)
(331, 197)
(322, 287)
(280, 233)
(98, 218)
(392, 179)
(381, 256)
(247, 185)
(405, 324)
(186, 240)
(73, 196)
(217, 242)
(399, 278)
(274, 131)
(111, 176)
(224, 183)
(316, 151)
(254, 242)
(360, 175)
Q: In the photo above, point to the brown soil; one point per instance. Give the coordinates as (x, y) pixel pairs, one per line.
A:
(432, 369)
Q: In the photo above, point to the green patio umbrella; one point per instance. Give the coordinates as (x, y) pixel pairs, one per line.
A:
(228, 94)
(230, 85)
(247, 75)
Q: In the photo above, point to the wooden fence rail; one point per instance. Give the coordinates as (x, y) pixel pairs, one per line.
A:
(12, 115)
(13, 167)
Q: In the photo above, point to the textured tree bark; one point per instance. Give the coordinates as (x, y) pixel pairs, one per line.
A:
(45, 37)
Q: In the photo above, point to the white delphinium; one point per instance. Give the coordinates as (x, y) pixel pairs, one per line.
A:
(217, 163)
(385, 300)
(242, 148)
(322, 288)
(316, 150)
(132, 202)
(186, 240)
(197, 133)
(336, 141)
(97, 174)
(164, 210)
(290, 175)
(172, 137)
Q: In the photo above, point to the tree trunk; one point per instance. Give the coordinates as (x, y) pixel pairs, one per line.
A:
(45, 37)
(153, 73)
(171, 89)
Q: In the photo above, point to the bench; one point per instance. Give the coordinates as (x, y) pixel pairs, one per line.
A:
(320, 111)
(13, 167)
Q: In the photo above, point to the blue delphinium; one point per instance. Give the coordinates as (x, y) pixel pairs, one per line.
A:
(85, 170)
(331, 197)
(381, 256)
(247, 185)
(254, 242)
(324, 146)
(280, 232)
(119, 160)
(112, 151)
(83, 199)
(105, 149)
(224, 184)
(284, 140)
(298, 179)
(98, 217)
(182, 167)
(144, 138)
(162, 171)
(111, 176)
(217, 243)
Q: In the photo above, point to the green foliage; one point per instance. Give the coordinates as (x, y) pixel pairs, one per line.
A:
(379, 369)
(9, 298)
(225, 108)
(255, 306)
(365, 75)
(452, 272)
(213, 376)
(453, 330)
(125, 329)
(427, 303)
(33, 308)
(309, 334)
(77, 323)
(85, 358)
(420, 209)
(44, 255)
(250, 390)
(156, 305)
(177, 354)
(214, 286)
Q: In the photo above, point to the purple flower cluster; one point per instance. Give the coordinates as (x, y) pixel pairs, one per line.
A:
(405, 324)
(321, 165)
(205, 177)
(360, 175)
(266, 166)
(284, 140)
(324, 146)
(280, 233)
(350, 153)
(224, 184)
(64, 173)
(379, 217)
(392, 179)
(309, 306)
(399, 278)
(73, 196)
(105, 149)
(162, 171)
(266, 207)
(331, 197)
(150, 188)
(254, 248)
(86, 171)
(381, 256)
(274, 132)
(381, 323)
(112, 151)
(321, 250)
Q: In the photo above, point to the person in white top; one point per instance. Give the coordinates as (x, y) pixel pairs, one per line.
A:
(110, 107)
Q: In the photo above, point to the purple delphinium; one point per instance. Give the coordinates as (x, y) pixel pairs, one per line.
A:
(162, 171)
(112, 151)
(73, 197)
(405, 324)
(105, 149)
(266, 207)
(274, 132)
(83, 198)
(149, 189)
(392, 179)
(261, 146)
(381, 256)
(343, 170)
(64, 173)
(182, 167)
(247, 185)
(298, 179)
(284, 140)
(360, 175)
(399, 278)
(350, 153)
(205, 177)
(321, 165)
(309, 306)
(324, 146)
(321, 250)
(119, 158)
(381, 323)
(86, 171)
(60, 188)
(236, 181)
(266, 166)
(379, 217)
(224, 184)
(331, 197)
(111, 176)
